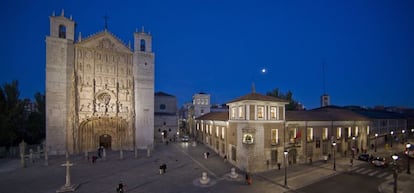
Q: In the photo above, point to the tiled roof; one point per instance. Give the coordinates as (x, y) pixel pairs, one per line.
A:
(325, 114)
(258, 97)
(218, 116)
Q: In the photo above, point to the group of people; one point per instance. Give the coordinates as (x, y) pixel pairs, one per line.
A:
(163, 168)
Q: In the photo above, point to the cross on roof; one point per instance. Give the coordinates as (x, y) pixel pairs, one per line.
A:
(106, 17)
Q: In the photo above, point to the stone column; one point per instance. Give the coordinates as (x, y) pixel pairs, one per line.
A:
(148, 151)
(136, 152)
(104, 153)
(31, 155)
(121, 154)
(22, 147)
(38, 152)
(46, 156)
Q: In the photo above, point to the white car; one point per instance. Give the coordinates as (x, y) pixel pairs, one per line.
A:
(185, 138)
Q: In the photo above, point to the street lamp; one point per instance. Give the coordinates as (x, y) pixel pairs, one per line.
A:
(285, 153)
(334, 145)
(376, 136)
(403, 135)
(408, 158)
(392, 137)
(395, 157)
(353, 147)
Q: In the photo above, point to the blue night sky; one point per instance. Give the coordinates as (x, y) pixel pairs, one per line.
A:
(219, 47)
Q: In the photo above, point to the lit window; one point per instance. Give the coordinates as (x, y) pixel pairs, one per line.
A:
(241, 112)
(222, 132)
(233, 113)
(275, 136)
(273, 112)
(368, 130)
(338, 133)
(309, 136)
(260, 112)
(324, 133)
(202, 127)
(248, 138)
(349, 132)
(198, 126)
(217, 131)
(356, 131)
(292, 135)
(210, 132)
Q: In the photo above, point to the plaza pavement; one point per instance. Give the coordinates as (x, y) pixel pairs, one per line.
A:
(185, 163)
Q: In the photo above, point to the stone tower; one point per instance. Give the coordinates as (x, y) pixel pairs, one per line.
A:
(144, 89)
(99, 92)
(59, 71)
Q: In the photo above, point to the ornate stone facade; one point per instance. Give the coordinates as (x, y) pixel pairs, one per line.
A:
(91, 91)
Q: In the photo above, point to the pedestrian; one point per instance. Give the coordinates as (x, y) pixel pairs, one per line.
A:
(164, 168)
(248, 179)
(161, 169)
(205, 155)
(225, 158)
(208, 154)
(120, 187)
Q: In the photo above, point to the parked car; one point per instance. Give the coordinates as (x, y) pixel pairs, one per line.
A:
(365, 157)
(185, 138)
(378, 162)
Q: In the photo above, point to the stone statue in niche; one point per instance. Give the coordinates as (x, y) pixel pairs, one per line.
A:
(89, 107)
(81, 107)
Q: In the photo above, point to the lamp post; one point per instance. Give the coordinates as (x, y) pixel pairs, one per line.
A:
(334, 145)
(412, 133)
(376, 136)
(408, 158)
(395, 157)
(392, 137)
(285, 153)
(403, 135)
(353, 147)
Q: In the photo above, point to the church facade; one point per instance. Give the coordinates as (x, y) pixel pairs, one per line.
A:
(99, 91)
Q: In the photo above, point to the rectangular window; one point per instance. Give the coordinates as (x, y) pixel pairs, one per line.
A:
(273, 113)
(198, 126)
(211, 130)
(217, 131)
(367, 129)
(325, 134)
(233, 113)
(241, 112)
(222, 132)
(338, 133)
(356, 131)
(292, 135)
(349, 132)
(309, 136)
(202, 127)
(274, 136)
(260, 112)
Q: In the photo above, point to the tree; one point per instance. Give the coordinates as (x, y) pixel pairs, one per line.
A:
(293, 104)
(11, 114)
(35, 123)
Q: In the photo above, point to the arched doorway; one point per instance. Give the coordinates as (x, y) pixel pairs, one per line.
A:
(105, 141)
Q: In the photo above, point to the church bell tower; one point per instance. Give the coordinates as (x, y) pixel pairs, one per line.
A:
(59, 71)
(143, 70)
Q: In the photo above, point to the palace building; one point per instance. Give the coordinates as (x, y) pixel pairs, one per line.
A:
(99, 91)
(258, 134)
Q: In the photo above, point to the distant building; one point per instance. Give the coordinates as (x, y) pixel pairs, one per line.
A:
(325, 100)
(201, 104)
(165, 117)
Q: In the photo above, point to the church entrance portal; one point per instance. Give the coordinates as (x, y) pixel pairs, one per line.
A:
(105, 141)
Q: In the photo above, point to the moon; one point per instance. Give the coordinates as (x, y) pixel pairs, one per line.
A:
(263, 70)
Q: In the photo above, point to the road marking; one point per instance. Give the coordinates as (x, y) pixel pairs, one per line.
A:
(366, 171)
(382, 175)
(389, 177)
(373, 173)
(360, 170)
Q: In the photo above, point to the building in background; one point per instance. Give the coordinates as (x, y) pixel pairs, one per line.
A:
(166, 117)
(99, 91)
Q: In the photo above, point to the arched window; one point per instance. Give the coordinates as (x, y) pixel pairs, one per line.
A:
(62, 31)
(142, 45)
